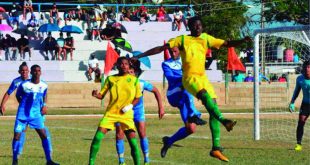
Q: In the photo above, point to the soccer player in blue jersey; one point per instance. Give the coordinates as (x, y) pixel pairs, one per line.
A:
(24, 75)
(32, 96)
(139, 117)
(180, 98)
(302, 83)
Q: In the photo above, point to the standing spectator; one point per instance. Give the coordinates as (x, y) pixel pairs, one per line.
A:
(111, 16)
(93, 66)
(14, 14)
(23, 47)
(85, 18)
(60, 43)
(161, 13)
(282, 78)
(188, 13)
(238, 77)
(249, 78)
(78, 12)
(54, 15)
(178, 16)
(41, 22)
(49, 45)
(302, 84)
(1, 47)
(27, 6)
(69, 45)
(10, 47)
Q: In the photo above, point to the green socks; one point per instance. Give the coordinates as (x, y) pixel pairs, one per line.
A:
(215, 131)
(135, 153)
(211, 107)
(95, 145)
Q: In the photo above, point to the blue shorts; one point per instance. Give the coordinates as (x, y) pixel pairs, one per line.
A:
(36, 123)
(138, 115)
(185, 102)
(16, 19)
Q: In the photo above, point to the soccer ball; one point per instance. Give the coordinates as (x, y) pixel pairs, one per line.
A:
(157, 1)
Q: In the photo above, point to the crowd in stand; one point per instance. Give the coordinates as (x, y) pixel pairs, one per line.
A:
(239, 77)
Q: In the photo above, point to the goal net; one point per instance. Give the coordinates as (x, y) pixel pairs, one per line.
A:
(278, 55)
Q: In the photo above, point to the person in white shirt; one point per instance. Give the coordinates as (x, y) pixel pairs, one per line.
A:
(178, 17)
(93, 66)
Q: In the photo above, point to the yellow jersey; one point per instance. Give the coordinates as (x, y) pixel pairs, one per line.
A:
(123, 90)
(193, 51)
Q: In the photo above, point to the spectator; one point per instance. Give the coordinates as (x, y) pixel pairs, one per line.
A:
(33, 24)
(282, 78)
(49, 45)
(1, 47)
(249, 78)
(54, 15)
(161, 13)
(178, 16)
(41, 22)
(85, 18)
(78, 13)
(142, 15)
(261, 77)
(68, 16)
(238, 77)
(188, 13)
(9, 45)
(23, 47)
(69, 45)
(93, 66)
(296, 58)
(100, 14)
(126, 14)
(274, 78)
(60, 43)
(27, 6)
(14, 14)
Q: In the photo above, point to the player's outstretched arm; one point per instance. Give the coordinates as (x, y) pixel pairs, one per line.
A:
(3, 102)
(96, 94)
(153, 51)
(161, 111)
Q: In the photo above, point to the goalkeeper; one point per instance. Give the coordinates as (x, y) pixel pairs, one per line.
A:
(193, 49)
(124, 93)
(302, 83)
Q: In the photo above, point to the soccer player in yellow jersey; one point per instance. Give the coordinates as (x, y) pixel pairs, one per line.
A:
(193, 49)
(124, 93)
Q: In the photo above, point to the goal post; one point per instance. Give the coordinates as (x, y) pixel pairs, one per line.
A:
(278, 52)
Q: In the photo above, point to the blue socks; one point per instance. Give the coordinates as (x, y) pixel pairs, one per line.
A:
(120, 150)
(179, 135)
(21, 143)
(48, 135)
(47, 150)
(15, 148)
(145, 149)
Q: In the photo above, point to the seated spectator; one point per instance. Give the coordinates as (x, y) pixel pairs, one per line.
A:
(126, 14)
(274, 78)
(60, 43)
(69, 45)
(1, 48)
(238, 77)
(85, 18)
(49, 45)
(41, 22)
(111, 16)
(27, 7)
(54, 15)
(93, 26)
(23, 47)
(249, 78)
(282, 78)
(161, 13)
(14, 14)
(142, 15)
(10, 47)
(68, 16)
(177, 18)
(262, 76)
(33, 24)
(296, 58)
(78, 13)
(188, 13)
(93, 66)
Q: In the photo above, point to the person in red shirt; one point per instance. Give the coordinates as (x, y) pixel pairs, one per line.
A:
(160, 16)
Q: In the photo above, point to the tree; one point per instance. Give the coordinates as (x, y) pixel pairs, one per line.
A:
(222, 19)
(284, 11)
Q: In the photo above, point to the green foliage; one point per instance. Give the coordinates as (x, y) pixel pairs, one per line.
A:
(283, 11)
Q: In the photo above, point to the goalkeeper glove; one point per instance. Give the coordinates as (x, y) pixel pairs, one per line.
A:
(292, 107)
(127, 108)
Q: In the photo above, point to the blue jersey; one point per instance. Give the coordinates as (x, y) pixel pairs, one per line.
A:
(14, 85)
(173, 72)
(31, 98)
(302, 84)
(144, 85)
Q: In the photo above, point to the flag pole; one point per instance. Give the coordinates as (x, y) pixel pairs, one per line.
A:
(102, 83)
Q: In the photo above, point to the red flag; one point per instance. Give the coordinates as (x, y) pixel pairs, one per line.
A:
(110, 59)
(166, 53)
(234, 62)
